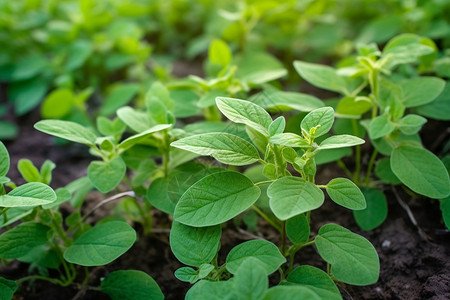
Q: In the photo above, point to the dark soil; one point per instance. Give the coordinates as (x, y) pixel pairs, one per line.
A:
(411, 267)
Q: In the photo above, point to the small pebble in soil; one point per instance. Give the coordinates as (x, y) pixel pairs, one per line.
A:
(386, 244)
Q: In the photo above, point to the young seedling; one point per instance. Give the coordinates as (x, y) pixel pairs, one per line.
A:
(223, 195)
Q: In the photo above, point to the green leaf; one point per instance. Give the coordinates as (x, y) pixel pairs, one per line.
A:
(139, 286)
(67, 130)
(354, 106)
(26, 95)
(289, 140)
(380, 126)
(13, 214)
(277, 126)
(340, 141)
(101, 244)
(421, 171)
(79, 52)
(22, 240)
(46, 171)
(353, 259)
(120, 96)
(345, 193)
(384, 172)
(316, 280)
(291, 196)
(8, 131)
(250, 280)
(29, 66)
(283, 292)
(321, 76)
(376, 211)
(4, 160)
(190, 275)
(439, 109)
(421, 90)
(215, 199)
(58, 104)
(211, 290)
(297, 229)
(281, 100)
(137, 120)
(29, 194)
(258, 67)
(7, 288)
(28, 171)
(110, 127)
(226, 148)
(134, 139)
(265, 252)
(322, 117)
(445, 209)
(219, 53)
(245, 112)
(411, 124)
(194, 246)
(106, 175)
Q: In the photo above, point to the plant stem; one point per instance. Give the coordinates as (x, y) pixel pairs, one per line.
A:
(107, 200)
(263, 182)
(347, 172)
(370, 167)
(283, 237)
(356, 174)
(147, 223)
(267, 218)
(53, 280)
(166, 152)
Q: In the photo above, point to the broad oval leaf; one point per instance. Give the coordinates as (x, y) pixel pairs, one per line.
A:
(138, 121)
(250, 281)
(7, 288)
(277, 126)
(28, 194)
(321, 76)
(411, 124)
(289, 139)
(322, 116)
(376, 211)
(384, 172)
(439, 108)
(211, 290)
(353, 259)
(421, 90)
(226, 148)
(282, 99)
(4, 160)
(345, 193)
(245, 112)
(283, 292)
(139, 286)
(266, 252)
(194, 246)
(341, 141)
(297, 229)
(22, 240)
(215, 199)
(106, 175)
(317, 280)
(291, 196)
(421, 171)
(101, 244)
(190, 275)
(134, 139)
(380, 126)
(67, 130)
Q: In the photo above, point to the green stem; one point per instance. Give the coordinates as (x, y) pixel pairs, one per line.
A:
(216, 276)
(356, 174)
(370, 167)
(263, 182)
(347, 172)
(267, 218)
(293, 250)
(147, 222)
(166, 153)
(53, 280)
(283, 237)
(86, 276)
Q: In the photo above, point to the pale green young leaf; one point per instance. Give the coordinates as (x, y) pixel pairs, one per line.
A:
(28, 194)
(340, 141)
(215, 199)
(46, 171)
(283, 292)
(190, 275)
(58, 104)
(22, 239)
(353, 258)
(281, 100)
(322, 116)
(194, 246)
(4, 160)
(120, 96)
(101, 244)
(28, 170)
(250, 280)
(421, 171)
(321, 76)
(67, 130)
(297, 229)
(384, 172)
(224, 147)
(62, 195)
(376, 211)
(110, 127)
(354, 106)
(411, 124)
(219, 53)
(380, 126)
(317, 280)
(139, 286)
(14, 214)
(211, 290)
(277, 126)
(134, 139)
(291, 196)
(245, 112)
(137, 120)
(268, 255)
(7, 288)
(106, 175)
(256, 68)
(289, 140)
(345, 193)
(421, 90)
(439, 109)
